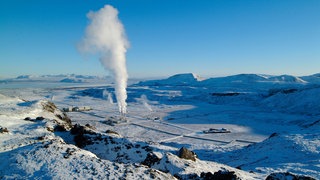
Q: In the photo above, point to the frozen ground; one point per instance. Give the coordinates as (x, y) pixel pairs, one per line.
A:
(274, 124)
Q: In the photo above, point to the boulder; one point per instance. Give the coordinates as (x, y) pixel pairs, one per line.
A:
(111, 132)
(40, 118)
(28, 119)
(3, 130)
(187, 154)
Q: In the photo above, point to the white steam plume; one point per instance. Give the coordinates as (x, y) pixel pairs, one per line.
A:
(108, 96)
(105, 35)
(144, 101)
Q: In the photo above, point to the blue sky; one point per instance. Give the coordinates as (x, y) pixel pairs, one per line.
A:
(209, 38)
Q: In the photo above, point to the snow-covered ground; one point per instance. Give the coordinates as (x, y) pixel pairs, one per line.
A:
(273, 125)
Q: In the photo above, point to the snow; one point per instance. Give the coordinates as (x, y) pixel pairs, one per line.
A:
(7, 100)
(72, 80)
(178, 79)
(302, 101)
(287, 78)
(273, 123)
(49, 160)
(280, 153)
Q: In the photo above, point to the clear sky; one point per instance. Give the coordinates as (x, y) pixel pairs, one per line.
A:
(206, 37)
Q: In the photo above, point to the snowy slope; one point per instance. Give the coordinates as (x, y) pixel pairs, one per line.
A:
(296, 153)
(240, 78)
(286, 79)
(34, 150)
(163, 116)
(315, 78)
(303, 101)
(37, 148)
(51, 158)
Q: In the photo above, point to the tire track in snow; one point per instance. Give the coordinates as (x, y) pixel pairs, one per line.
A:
(179, 135)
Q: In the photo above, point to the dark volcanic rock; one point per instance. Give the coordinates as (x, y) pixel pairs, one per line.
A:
(78, 129)
(90, 127)
(111, 132)
(40, 118)
(80, 138)
(3, 130)
(193, 176)
(220, 175)
(64, 117)
(287, 176)
(59, 128)
(187, 154)
(151, 159)
(63, 120)
(27, 119)
(49, 106)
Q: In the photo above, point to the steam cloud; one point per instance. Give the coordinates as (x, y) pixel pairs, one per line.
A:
(105, 35)
(144, 101)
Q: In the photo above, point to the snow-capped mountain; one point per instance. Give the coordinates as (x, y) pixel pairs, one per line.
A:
(178, 79)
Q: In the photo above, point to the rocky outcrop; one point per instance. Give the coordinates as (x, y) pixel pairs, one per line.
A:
(220, 175)
(187, 154)
(3, 130)
(80, 138)
(288, 176)
(151, 159)
(61, 121)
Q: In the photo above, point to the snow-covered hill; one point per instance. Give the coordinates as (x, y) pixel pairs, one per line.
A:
(177, 80)
(279, 152)
(72, 80)
(286, 79)
(44, 145)
(192, 79)
(315, 78)
(270, 126)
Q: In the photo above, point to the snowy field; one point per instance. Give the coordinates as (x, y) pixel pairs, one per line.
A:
(247, 126)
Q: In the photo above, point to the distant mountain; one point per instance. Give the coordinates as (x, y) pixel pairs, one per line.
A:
(240, 78)
(185, 78)
(253, 78)
(192, 79)
(54, 76)
(72, 80)
(85, 76)
(286, 78)
(315, 78)
(178, 79)
(57, 78)
(24, 77)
